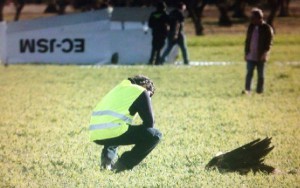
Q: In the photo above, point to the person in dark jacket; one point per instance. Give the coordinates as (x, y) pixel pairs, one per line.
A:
(111, 123)
(176, 33)
(257, 47)
(158, 22)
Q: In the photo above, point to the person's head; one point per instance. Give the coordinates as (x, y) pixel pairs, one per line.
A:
(161, 6)
(143, 81)
(257, 16)
(181, 6)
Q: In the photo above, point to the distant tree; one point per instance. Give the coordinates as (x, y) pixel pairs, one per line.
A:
(238, 7)
(194, 7)
(284, 8)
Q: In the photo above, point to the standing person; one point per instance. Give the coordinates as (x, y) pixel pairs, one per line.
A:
(176, 33)
(257, 46)
(158, 22)
(111, 123)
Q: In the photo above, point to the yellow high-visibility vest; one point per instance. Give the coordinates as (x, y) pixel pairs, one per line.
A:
(111, 116)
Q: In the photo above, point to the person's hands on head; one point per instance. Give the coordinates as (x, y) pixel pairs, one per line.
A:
(145, 82)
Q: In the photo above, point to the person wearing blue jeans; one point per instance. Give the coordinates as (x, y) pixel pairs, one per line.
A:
(260, 75)
(180, 41)
(176, 33)
(144, 139)
(257, 46)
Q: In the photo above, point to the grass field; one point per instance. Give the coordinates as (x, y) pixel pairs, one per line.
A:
(45, 111)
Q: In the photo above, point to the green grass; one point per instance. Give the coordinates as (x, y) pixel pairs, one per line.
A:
(45, 113)
(230, 48)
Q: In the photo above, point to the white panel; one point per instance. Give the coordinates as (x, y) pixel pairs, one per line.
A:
(84, 38)
(89, 48)
(133, 46)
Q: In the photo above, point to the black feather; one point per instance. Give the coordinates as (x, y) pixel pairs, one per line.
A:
(245, 158)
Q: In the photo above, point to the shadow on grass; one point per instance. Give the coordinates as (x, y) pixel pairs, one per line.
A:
(247, 158)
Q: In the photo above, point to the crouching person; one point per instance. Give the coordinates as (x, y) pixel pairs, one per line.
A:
(111, 124)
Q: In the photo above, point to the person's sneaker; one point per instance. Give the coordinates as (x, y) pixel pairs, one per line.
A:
(246, 92)
(107, 164)
(186, 63)
(119, 167)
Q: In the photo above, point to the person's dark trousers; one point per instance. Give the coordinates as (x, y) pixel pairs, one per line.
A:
(157, 44)
(144, 140)
(182, 45)
(260, 66)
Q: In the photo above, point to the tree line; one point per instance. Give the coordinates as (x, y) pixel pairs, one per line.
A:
(228, 9)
